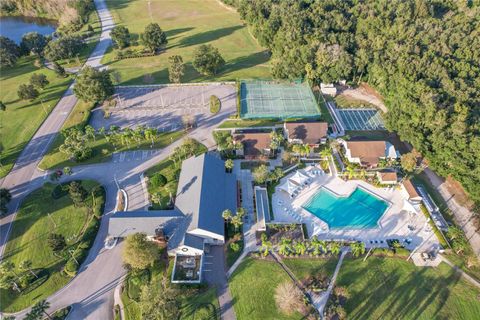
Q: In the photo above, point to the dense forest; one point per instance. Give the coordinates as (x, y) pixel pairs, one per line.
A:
(423, 56)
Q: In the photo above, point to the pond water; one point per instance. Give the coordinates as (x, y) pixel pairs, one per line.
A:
(15, 27)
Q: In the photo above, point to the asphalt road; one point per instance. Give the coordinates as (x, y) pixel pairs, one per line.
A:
(25, 177)
(91, 291)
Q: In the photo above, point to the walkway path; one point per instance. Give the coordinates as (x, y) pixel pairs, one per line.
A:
(117, 297)
(462, 216)
(465, 275)
(320, 301)
(250, 226)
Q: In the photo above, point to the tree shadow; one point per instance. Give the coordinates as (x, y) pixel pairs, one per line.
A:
(208, 36)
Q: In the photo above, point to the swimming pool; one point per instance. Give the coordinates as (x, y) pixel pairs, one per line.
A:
(360, 210)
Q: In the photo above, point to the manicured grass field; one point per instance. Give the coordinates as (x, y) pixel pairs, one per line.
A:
(39, 216)
(188, 24)
(304, 268)
(200, 305)
(22, 118)
(395, 289)
(252, 287)
(102, 149)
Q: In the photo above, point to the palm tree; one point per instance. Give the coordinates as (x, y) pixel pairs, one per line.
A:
(41, 307)
(266, 245)
(240, 212)
(325, 153)
(334, 248)
(315, 244)
(229, 165)
(237, 222)
(285, 246)
(150, 134)
(26, 265)
(358, 248)
(350, 172)
(90, 132)
(300, 248)
(227, 214)
(32, 315)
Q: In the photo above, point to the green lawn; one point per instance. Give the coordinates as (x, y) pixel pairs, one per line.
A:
(22, 118)
(201, 304)
(188, 24)
(38, 216)
(325, 114)
(101, 148)
(171, 172)
(252, 287)
(395, 289)
(304, 268)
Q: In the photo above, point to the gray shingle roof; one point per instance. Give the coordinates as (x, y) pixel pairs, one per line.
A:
(121, 224)
(204, 191)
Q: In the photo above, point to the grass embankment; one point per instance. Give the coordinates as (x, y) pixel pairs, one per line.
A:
(325, 114)
(193, 303)
(187, 24)
(249, 123)
(252, 287)
(102, 150)
(40, 215)
(22, 118)
(395, 289)
(346, 102)
(171, 171)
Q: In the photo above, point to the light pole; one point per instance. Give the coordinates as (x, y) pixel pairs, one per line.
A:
(43, 106)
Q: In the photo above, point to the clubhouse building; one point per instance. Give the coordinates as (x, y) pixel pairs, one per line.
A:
(204, 191)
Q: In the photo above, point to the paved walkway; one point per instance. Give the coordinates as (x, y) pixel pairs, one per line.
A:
(465, 275)
(462, 216)
(320, 300)
(117, 300)
(250, 226)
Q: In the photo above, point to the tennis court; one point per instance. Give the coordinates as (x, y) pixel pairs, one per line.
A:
(361, 119)
(273, 99)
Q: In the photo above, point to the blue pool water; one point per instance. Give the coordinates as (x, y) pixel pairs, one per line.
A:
(360, 210)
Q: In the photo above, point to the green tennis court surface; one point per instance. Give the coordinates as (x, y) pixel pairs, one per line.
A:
(361, 119)
(272, 99)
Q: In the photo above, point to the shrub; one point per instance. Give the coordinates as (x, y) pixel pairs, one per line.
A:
(39, 80)
(235, 246)
(71, 268)
(214, 104)
(59, 191)
(289, 298)
(158, 180)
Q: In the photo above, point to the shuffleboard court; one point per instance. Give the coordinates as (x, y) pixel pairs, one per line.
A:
(361, 119)
(274, 99)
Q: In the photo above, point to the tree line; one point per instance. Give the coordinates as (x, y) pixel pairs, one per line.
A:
(422, 56)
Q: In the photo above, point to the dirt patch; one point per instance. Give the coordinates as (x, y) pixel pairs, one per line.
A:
(456, 189)
(362, 93)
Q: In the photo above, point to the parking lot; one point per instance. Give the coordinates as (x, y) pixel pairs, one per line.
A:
(162, 106)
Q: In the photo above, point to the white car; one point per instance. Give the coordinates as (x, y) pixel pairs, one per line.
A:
(110, 242)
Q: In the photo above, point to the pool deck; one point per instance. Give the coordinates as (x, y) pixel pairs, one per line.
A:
(394, 224)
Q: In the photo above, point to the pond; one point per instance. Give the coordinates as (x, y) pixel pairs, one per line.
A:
(15, 27)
